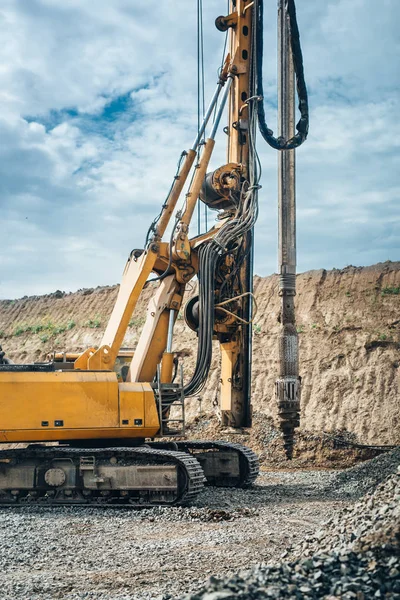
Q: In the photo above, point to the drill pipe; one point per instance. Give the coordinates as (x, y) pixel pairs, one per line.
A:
(287, 386)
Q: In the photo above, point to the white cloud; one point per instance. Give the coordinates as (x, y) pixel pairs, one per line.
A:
(78, 191)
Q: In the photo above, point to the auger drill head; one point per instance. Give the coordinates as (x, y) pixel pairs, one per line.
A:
(288, 386)
(288, 397)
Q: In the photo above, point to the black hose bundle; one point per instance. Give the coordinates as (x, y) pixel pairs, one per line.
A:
(228, 237)
(302, 126)
(208, 258)
(210, 253)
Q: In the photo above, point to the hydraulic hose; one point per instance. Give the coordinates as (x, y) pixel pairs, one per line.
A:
(281, 143)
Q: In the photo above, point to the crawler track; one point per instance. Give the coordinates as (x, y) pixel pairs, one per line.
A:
(136, 477)
(225, 464)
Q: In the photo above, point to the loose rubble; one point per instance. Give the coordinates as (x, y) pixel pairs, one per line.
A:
(366, 476)
(112, 554)
(163, 553)
(375, 517)
(356, 554)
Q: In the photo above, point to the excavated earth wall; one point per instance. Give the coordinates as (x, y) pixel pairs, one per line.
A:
(349, 329)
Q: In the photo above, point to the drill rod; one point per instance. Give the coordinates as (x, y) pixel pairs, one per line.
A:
(288, 382)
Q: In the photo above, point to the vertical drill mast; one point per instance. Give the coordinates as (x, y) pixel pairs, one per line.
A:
(288, 383)
(236, 353)
(222, 257)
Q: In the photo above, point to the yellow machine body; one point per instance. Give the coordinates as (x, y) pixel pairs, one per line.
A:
(105, 401)
(73, 405)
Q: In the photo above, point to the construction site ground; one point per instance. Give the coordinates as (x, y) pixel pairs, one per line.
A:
(109, 553)
(166, 552)
(349, 346)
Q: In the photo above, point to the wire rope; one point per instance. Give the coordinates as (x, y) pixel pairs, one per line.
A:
(200, 88)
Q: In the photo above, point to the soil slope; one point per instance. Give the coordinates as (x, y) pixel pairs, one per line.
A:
(349, 326)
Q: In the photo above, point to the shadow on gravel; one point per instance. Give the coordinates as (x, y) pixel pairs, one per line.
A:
(210, 498)
(260, 496)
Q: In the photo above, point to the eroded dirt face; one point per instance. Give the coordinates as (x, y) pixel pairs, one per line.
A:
(349, 330)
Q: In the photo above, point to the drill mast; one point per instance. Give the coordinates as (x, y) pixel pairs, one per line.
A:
(236, 353)
(288, 384)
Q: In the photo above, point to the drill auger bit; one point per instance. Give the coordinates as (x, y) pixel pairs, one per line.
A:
(288, 385)
(289, 412)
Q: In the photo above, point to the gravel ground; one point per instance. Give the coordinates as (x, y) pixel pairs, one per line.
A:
(74, 553)
(114, 554)
(365, 476)
(355, 555)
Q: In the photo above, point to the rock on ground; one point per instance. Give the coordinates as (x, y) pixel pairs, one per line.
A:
(274, 531)
(355, 555)
(75, 553)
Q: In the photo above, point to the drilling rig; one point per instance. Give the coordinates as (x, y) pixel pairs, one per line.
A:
(106, 407)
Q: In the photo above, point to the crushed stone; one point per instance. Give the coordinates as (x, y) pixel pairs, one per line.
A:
(297, 534)
(354, 555)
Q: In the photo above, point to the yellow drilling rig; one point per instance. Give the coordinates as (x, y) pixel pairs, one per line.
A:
(106, 407)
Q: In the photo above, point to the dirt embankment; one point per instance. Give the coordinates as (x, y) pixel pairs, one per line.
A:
(348, 322)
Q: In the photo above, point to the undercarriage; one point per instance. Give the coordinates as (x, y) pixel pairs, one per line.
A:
(138, 477)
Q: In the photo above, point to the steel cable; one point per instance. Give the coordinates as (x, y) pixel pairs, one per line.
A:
(200, 90)
(153, 227)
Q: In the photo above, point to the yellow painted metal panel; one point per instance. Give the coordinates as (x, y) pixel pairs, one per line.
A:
(167, 367)
(227, 358)
(137, 401)
(90, 405)
(76, 399)
(150, 408)
(131, 405)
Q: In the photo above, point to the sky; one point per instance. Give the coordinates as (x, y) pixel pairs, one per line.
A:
(98, 99)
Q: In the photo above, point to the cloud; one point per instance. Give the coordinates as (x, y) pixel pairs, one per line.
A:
(98, 101)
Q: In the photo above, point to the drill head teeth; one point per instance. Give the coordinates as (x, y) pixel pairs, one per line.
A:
(288, 398)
